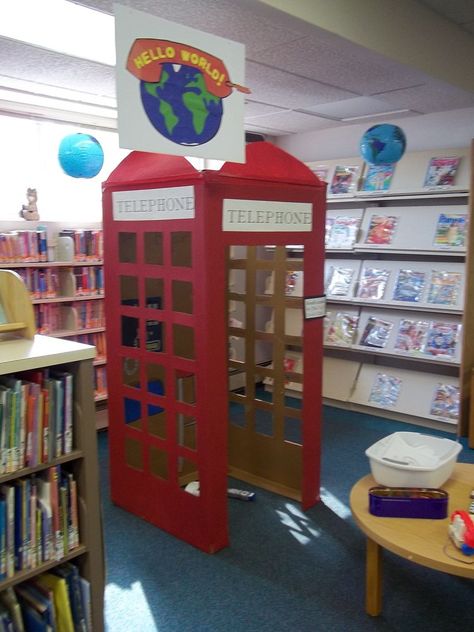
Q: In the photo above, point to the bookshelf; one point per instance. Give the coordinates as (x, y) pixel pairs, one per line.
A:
(77, 462)
(68, 296)
(351, 366)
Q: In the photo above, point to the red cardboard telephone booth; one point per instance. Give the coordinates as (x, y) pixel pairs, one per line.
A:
(171, 233)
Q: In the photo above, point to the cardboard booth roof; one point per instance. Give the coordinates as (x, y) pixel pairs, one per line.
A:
(264, 161)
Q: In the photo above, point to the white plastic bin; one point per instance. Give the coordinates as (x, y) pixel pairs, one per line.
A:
(412, 459)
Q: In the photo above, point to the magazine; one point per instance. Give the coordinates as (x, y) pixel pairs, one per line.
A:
(294, 283)
(329, 223)
(344, 179)
(451, 230)
(442, 339)
(411, 335)
(342, 330)
(373, 283)
(409, 286)
(378, 177)
(385, 390)
(340, 282)
(381, 230)
(376, 333)
(321, 171)
(441, 171)
(444, 287)
(445, 402)
(343, 232)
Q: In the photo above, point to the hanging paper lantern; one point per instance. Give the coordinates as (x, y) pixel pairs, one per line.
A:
(80, 155)
(383, 144)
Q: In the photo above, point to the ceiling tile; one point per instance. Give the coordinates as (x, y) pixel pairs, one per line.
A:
(290, 122)
(46, 67)
(276, 87)
(338, 62)
(433, 97)
(359, 106)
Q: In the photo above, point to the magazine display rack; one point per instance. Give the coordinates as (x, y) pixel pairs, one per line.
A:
(186, 264)
(398, 333)
(77, 463)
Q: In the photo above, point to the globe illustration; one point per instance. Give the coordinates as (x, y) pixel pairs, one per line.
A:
(383, 144)
(180, 106)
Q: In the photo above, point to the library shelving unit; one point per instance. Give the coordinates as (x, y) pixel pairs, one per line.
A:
(399, 312)
(68, 296)
(20, 352)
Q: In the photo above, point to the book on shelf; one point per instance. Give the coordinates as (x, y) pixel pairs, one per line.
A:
(385, 390)
(343, 232)
(24, 246)
(340, 280)
(328, 226)
(445, 402)
(378, 178)
(409, 286)
(321, 171)
(381, 230)
(62, 606)
(344, 179)
(342, 329)
(444, 287)
(376, 332)
(411, 336)
(442, 339)
(441, 171)
(451, 230)
(373, 282)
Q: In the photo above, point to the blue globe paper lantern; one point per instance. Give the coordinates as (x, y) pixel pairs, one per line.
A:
(80, 155)
(383, 144)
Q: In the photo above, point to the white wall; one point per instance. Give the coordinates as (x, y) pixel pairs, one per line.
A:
(29, 158)
(441, 130)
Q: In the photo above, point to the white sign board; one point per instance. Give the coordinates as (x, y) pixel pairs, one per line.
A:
(153, 204)
(263, 216)
(179, 90)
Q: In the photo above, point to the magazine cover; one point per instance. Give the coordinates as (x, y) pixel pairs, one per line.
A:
(385, 390)
(444, 287)
(378, 178)
(445, 402)
(441, 171)
(376, 332)
(450, 230)
(373, 283)
(344, 180)
(343, 232)
(294, 283)
(329, 223)
(409, 286)
(321, 171)
(342, 330)
(411, 335)
(442, 339)
(340, 282)
(381, 230)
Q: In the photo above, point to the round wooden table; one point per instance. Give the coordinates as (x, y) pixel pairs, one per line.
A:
(419, 540)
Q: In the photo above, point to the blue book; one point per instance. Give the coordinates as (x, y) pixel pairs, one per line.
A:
(70, 573)
(3, 538)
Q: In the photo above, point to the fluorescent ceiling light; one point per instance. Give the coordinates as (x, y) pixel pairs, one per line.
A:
(60, 26)
(360, 117)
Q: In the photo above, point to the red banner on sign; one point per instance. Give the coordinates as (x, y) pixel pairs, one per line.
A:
(146, 57)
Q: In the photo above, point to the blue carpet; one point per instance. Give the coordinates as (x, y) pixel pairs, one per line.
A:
(285, 569)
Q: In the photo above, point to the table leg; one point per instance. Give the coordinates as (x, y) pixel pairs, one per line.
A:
(373, 579)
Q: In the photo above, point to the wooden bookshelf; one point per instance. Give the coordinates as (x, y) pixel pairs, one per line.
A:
(22, 354)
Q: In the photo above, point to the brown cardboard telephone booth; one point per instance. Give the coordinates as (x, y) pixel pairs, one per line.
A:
(175, 241)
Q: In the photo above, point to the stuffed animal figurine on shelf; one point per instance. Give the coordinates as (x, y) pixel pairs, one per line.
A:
(30, 211)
